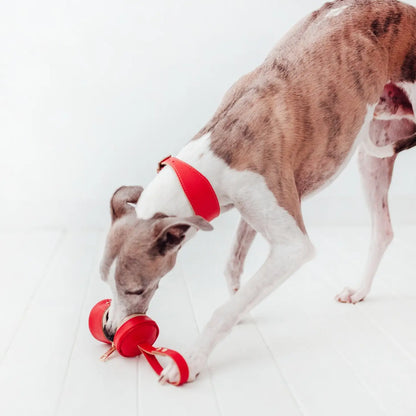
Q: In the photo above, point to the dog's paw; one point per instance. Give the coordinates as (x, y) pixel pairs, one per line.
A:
(350, 295)
(169, 375)
(196, 363)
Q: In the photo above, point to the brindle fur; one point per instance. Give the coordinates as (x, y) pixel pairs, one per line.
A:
(264, 123)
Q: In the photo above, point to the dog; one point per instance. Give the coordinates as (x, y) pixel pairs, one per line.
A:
(343, 77)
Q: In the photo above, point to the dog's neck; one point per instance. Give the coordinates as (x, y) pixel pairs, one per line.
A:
(165, 195)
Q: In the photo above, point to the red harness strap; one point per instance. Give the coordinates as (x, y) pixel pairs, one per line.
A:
(196, 186)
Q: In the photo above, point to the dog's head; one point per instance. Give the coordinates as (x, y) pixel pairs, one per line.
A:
(138, 253)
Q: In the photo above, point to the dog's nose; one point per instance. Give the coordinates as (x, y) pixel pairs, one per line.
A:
(109, 333)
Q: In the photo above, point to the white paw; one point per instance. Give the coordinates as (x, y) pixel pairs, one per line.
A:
(169, 375)
(349, 295)
(196, 362)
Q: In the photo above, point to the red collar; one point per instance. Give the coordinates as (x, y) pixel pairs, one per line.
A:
(196, 186)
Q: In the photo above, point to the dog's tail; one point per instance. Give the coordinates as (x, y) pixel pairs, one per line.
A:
(390, 149)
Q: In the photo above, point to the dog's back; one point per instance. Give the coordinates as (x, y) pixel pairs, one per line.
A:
(295, 117)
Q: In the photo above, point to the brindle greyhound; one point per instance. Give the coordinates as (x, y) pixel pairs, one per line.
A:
(281, 133)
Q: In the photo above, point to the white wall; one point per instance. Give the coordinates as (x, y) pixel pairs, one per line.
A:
(94, 93)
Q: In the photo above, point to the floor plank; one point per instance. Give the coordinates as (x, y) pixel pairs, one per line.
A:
(26, 257)
(377, 348)
(33, 370)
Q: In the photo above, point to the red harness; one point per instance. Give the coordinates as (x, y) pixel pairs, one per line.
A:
(196, 186)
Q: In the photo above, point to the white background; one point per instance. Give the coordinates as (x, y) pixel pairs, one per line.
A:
(94, 93)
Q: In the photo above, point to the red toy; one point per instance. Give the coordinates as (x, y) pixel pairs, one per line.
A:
(134, 336)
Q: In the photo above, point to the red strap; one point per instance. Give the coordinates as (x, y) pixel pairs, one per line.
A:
(197, 188)
(150, 352)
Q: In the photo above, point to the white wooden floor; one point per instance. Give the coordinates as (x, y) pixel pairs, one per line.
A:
(298, 353)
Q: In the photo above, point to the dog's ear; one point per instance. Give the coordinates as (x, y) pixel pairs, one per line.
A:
(169, 232)
(121, 200)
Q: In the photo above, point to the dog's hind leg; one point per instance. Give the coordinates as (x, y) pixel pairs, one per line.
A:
(376, 177)
(235, 264)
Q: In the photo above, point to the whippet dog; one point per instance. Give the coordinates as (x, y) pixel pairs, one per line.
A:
(282, 132)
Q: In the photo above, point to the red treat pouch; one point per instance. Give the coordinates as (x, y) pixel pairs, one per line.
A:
(135, 335)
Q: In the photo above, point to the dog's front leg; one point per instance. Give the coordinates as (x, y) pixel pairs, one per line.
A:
(235, 265)
(289, 249)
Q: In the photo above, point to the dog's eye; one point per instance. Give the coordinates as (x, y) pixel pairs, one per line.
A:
(137, 292)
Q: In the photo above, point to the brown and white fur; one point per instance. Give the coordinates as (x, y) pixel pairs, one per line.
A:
(282, 132)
